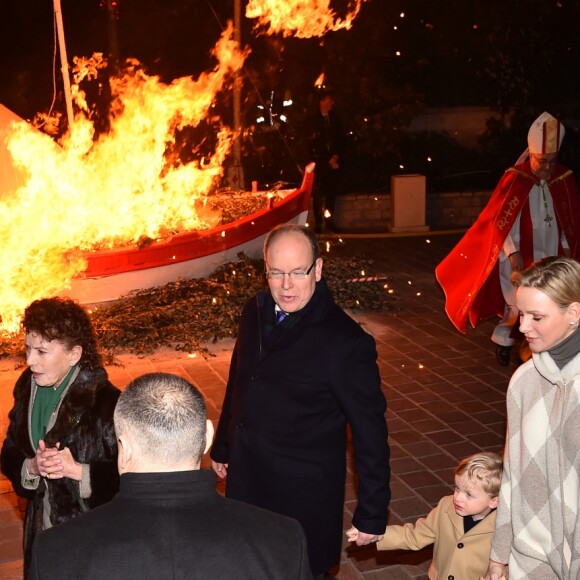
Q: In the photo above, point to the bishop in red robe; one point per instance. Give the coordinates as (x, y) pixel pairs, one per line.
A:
(534, 212)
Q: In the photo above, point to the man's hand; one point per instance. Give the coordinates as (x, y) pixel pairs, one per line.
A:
(496, 571)
(333, 162)
(361, 538)
(220, 468)
(517, 261)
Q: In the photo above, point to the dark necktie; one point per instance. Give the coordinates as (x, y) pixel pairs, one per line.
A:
(280, 315)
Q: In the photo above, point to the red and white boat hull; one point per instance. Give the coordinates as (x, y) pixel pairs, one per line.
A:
(111, 274)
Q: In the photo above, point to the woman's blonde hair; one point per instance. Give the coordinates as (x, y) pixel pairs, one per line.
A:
(557, 277)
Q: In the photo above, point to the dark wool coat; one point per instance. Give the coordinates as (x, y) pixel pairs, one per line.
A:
(172, 526)
(292, 389)
(84, 424)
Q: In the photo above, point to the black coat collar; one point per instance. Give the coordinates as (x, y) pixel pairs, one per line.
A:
(275, 336)
(173, 484)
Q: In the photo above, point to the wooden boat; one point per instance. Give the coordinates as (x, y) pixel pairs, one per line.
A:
(111, 274)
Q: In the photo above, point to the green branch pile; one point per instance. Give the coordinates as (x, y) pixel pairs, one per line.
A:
(186, 315)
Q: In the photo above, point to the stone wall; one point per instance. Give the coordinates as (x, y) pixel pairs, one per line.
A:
(367, 212)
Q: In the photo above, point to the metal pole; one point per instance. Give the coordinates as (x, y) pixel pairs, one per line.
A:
(237, 98)
(63, 63)
(113, 39)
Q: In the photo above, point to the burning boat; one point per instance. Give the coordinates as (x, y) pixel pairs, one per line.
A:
(74, 208)
(195, 254)
(74, 260)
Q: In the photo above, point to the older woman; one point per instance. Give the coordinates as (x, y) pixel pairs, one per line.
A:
(539, 513)
(60, 450)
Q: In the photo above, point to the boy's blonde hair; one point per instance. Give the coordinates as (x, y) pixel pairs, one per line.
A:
(486, 468)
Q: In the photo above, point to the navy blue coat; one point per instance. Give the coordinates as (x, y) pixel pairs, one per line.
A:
(292, 389)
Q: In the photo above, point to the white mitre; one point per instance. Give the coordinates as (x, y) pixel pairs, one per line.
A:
(545, 135)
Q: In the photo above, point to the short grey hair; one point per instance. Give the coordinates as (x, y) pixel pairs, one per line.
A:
(166, 416)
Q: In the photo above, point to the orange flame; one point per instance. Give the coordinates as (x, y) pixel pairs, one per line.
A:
(109, 191)
(300, 18)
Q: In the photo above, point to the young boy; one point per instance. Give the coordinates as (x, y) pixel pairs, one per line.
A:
(460, 527)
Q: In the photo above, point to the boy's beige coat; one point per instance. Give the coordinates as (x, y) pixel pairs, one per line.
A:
(455, 554)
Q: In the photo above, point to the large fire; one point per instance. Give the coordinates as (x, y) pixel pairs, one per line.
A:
(300, 18)
(109, 191)
(119, 187)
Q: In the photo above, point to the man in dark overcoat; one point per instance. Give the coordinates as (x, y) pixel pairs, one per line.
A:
(327, 146)
(293, 387)
(168, 521)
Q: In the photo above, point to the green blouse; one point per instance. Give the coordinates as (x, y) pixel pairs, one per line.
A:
(45, 402)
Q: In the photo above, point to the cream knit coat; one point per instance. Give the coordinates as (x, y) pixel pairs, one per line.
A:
(538, 519)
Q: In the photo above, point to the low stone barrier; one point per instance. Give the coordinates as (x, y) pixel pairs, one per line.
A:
(371, 212)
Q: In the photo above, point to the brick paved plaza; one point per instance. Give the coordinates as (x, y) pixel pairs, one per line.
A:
(445, 393)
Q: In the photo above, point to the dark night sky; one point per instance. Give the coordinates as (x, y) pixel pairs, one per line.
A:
(453, 53)
(399, 57)
(172, 37)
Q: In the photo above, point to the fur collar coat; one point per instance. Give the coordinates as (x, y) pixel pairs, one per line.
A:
(83, 422)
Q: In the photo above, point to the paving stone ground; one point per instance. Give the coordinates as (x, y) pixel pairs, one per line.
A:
(445, 392)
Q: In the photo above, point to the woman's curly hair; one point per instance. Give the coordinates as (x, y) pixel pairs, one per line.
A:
(66, 321)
